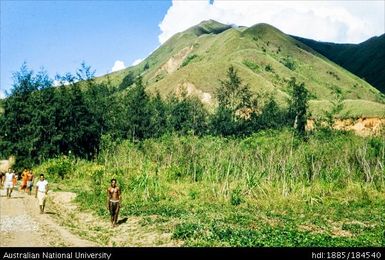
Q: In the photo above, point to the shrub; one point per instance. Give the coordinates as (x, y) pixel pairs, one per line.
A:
(269, 68)
(251, 65)
(289, 62)
(60, 168)
(189, 59)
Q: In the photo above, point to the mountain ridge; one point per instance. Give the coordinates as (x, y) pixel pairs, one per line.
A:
(365, 59)
(264, 57)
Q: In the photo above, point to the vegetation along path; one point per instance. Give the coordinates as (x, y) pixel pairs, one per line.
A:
(61, 225)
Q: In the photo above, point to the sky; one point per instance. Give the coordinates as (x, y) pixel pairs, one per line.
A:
(112, 35)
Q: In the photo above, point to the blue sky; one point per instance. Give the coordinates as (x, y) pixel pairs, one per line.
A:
(59, 35)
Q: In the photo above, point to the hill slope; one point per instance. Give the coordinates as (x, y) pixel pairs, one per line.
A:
(366, 59)
(265, 58)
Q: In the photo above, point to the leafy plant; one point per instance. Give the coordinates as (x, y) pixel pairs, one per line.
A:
(188, 59)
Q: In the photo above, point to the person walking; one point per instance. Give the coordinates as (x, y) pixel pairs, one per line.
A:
(113, 201)
(41, 192)
(23, 184)
(29, 182)
(8, 182)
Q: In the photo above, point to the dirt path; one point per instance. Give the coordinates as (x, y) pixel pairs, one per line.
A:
(21, 224)
(64, 225)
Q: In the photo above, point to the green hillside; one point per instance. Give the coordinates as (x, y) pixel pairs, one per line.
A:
(366, 59)
(266, 58)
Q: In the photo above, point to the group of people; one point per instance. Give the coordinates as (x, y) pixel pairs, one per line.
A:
(10, 178)
(9, 181)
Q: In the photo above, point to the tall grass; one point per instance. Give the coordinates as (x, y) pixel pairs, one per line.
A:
(271, 180)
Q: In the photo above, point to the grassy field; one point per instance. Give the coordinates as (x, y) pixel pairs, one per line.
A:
(264, 57)
(270, 189)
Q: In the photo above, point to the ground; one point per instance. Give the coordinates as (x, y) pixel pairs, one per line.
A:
(21, 225)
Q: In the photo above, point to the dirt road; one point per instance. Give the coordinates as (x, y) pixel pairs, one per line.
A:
(21, 224)
(64, 225)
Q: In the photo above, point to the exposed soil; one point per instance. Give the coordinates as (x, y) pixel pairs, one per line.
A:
(63, 224)
(362, 126)
(22, 225)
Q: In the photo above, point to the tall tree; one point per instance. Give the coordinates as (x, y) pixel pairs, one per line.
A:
(234, 105)
(20, 133)
(137, 105)
(159, 115)
(188, 115)
(298, 106)
(232, 94)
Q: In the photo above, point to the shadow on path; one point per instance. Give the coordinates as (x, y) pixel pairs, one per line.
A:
(122, 221)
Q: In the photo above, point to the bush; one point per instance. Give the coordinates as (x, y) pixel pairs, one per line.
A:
(269, 68)
(60, 167)
(251, 65)
(289, 62)
(188, 59)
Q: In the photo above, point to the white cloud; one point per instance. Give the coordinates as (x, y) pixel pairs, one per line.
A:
(336, 21)
(118, 65)
(56, 83)
(136, 62)
(2, 94)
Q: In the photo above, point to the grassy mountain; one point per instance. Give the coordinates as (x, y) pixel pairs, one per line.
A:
(365, 59)
(265, 57)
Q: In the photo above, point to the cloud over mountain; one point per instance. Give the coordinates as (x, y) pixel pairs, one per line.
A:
(337, 21)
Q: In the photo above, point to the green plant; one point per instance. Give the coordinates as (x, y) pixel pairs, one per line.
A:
(60, 167)
(236, 197)
(289, 62)
(269, 68)
(251, 65)
(188, 60)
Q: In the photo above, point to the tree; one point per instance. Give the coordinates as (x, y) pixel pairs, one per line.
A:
(271, 116)
(21, 132)
(187, 115)
(232, 94)
(137, 115)
(84, 73)
(298, 106)
(223, 123)
(234, 105)
(127, 81)
(158, 120)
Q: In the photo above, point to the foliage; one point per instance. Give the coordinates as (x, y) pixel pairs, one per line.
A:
(251, 65)
(298, 105)
(188, 115)
(188, 59)
(304, 193)
(127, 81)
(289, 62)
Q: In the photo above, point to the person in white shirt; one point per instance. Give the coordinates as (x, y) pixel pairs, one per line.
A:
(41, 192)
(8, 182)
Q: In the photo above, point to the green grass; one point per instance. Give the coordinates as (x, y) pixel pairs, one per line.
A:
(213, 47)
(352, 108)
(364, 59)
(270, 189)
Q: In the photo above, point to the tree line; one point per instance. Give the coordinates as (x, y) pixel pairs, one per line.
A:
(42, 120)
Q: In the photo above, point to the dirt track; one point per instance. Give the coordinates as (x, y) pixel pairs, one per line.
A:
(21, 224)
(64, 225)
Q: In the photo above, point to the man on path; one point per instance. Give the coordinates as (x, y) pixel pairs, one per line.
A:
(113, 201)
(41, 192)
(29, 182)
(8, 182)
(23, 184)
